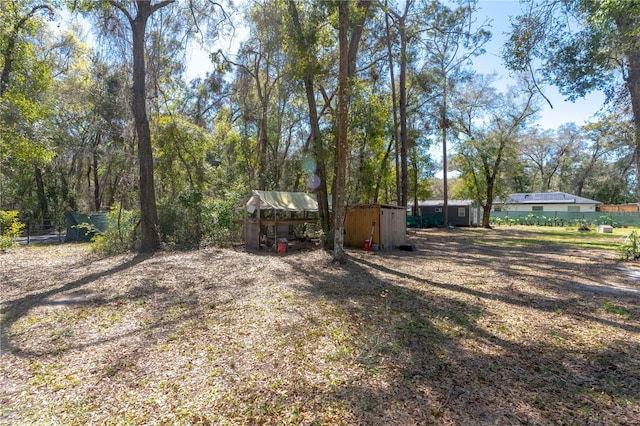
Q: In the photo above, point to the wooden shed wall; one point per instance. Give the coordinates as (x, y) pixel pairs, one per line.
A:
(357, 225)
(390, 229)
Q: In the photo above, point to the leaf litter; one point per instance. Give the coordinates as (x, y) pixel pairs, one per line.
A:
(466, 330)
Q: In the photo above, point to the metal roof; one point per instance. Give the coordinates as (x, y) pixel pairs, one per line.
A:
(545, 198)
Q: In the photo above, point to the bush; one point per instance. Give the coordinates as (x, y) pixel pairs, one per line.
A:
(181, 222)
(630, 249)
(120, 235)
(10, 228)
(219, 220)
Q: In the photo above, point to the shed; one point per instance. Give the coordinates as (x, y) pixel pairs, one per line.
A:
(274, 214)
(459, 212)
(389, 231)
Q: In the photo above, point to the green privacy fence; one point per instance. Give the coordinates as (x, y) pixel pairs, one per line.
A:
(428, 220)
(616, 219)
(82, 227)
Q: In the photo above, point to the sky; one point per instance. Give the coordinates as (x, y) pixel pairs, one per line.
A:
(498, 13)
(563, 111)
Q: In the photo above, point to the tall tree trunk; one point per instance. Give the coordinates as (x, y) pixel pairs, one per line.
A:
(416, 175)
(42, 197)
(96, 179)
(263, 143)
(404, 171)
(491, 178)
(627, 25)
(633, 83)
(444, 125)
(339, 208)
(319, 153)
(149, 238)
(403, 174)
(314, 123)
(394, 103)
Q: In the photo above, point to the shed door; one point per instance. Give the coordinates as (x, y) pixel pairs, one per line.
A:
(393, 227)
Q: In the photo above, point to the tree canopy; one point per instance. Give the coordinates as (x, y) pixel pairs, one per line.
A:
(98, 112)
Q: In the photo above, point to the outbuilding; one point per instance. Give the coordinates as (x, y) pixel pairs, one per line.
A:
(386, 225)
(459, 213)
(270, 216)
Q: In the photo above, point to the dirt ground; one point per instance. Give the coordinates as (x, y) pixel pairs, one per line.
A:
(472, 328)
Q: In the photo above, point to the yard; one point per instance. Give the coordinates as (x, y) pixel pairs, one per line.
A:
(504, 326)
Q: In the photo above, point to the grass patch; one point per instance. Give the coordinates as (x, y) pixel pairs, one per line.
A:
(616, 309)
(545, 236)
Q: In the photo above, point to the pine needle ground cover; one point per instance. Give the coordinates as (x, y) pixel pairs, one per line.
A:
(505, 326)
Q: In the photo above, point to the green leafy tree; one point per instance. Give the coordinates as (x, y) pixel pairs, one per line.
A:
(454, 37)
(306, 38)
(491, 124)
(262, 87)
(550, 155)
(605, 170)
(25, 104)
(121, 20)
(581, 46)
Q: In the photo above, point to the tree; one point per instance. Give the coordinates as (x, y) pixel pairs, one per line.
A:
(602, 54)
(605, 168)
(261, 84)
(490, 124)
(25, 105)
(149, 237)
(93, 161)
(451, 42)
(305, 51)
(400, 122)
(137, 15)
(304, 48)
(551, 155)
(339, 208)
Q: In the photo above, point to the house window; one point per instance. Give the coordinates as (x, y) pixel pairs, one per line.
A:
(574, 209)
(537, 208)
(462, 212)
(438, 209)
(497, 208)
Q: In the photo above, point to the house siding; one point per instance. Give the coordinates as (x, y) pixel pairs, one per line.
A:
(546, 207)
(544, 202)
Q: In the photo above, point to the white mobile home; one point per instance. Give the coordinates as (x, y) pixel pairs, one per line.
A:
(539, 202)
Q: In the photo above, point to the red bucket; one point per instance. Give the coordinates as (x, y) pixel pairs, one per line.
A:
(367, 245)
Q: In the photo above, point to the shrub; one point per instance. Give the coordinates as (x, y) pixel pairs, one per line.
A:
(10, 228)
(180, 220)
(630, 249)
(120, 235)
(219, 220)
